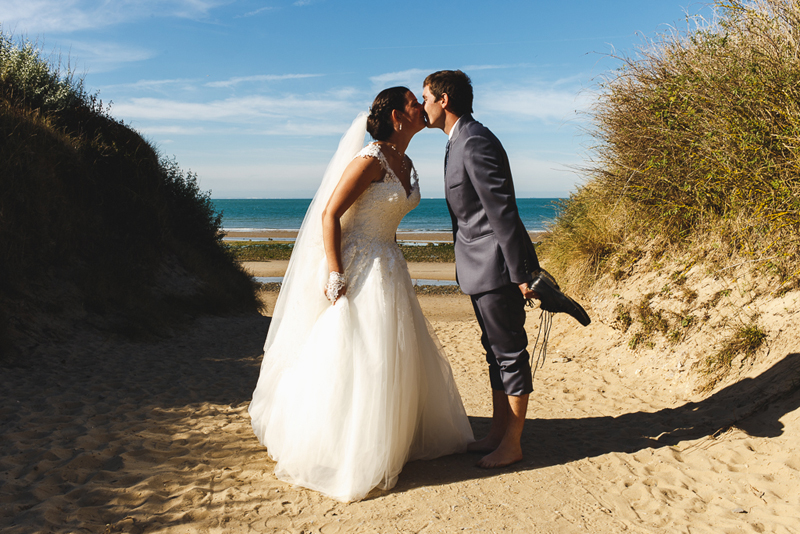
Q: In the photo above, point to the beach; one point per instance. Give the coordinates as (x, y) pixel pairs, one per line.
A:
(402, 236)
(131, 334)
(105, 435)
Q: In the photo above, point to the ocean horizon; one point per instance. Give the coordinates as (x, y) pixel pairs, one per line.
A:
(431, 215)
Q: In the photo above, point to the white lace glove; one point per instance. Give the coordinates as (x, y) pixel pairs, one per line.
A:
(335, 285)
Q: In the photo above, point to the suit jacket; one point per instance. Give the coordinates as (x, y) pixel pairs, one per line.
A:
(492, 247)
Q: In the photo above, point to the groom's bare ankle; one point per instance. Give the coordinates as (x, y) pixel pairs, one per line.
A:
(485, 445)
(478, 446)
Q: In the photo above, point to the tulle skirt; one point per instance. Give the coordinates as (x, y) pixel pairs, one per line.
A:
(345, 404)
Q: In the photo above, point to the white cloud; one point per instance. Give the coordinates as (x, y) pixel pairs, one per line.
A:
(174, 130)
(348, 94)
(257, 11)
(151, 85)
(536, 103)
(32, 17)
(265, 179)
(540, 177)
(246, 109)
(294, 115)
(532, 176)
(308, 127)
(84, 57)
(102, 56)
(411, 78)
(469, 68)
(260, 78)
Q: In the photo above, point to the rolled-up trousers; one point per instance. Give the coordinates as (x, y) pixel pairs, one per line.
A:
(501, 315)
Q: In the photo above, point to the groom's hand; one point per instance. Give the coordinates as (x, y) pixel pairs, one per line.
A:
(528, 293)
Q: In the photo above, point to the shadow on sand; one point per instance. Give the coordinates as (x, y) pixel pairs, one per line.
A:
(754, 405)
(216, 362)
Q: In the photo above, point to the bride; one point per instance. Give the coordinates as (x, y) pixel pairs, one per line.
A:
(354, 382)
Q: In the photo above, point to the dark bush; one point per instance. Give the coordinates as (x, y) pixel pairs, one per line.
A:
(89, 209)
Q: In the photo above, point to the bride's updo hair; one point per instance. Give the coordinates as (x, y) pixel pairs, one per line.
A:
(379, 122)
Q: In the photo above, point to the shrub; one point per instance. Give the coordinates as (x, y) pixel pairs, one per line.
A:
(90, 209)
(40, 84)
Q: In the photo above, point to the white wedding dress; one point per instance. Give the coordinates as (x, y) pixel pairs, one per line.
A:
(349, 393)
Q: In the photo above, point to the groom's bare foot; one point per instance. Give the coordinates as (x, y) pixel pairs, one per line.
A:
(485, 445)
(503, 456)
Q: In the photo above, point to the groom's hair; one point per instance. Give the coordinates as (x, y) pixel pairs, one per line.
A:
(456, 84)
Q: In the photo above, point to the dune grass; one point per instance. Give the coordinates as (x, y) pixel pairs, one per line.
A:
(742, 343)
(89, 208)
(698, 135)
(697, 153)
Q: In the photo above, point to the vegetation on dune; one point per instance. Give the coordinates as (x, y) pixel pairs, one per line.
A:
(93, 219)
(744, 343)
(697, 137)
(249, 251)
(697, 154)
(431, 252)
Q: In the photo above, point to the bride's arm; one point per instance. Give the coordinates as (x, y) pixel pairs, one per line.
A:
(354, 181)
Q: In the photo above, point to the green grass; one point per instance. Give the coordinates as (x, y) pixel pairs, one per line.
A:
(248, 251)
(431, 252)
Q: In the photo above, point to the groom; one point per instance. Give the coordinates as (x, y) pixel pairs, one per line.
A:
(494, 255)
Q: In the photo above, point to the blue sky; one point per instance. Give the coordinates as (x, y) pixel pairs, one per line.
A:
(253, 96)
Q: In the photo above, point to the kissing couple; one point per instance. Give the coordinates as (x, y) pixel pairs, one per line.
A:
(354, 382)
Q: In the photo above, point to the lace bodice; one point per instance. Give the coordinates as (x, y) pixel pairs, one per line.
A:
(370, 225)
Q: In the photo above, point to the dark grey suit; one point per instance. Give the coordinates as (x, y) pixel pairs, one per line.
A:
(493, 251)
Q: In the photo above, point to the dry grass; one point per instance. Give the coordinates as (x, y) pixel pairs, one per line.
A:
(698, 142)
(742, 345)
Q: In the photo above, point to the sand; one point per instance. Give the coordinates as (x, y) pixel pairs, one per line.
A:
(427, 271)
(104, 435)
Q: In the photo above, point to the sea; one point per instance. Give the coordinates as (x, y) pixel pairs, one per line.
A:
(430, 216)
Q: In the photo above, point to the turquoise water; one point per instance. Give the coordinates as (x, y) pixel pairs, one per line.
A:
(430, 216)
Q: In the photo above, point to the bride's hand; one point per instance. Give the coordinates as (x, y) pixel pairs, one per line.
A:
(338, 296)
(336, 286)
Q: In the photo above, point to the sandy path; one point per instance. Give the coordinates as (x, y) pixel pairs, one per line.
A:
(429, 271)
(154, 437)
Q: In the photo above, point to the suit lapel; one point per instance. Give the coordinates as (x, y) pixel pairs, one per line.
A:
(454, 139)
(460, 126)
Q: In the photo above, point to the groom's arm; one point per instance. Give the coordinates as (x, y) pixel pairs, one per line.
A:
(484, 163)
